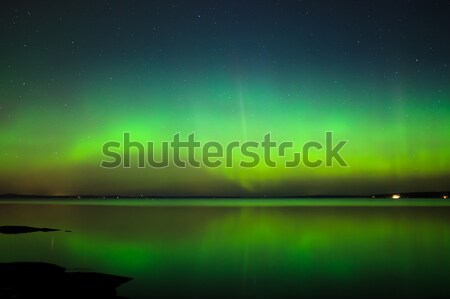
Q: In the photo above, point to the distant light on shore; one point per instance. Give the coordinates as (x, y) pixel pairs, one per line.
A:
(396, 196)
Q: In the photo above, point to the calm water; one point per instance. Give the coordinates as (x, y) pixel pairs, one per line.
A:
(270, 248)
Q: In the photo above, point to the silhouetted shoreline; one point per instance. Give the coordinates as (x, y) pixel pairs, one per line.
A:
(439, 194)
(44, 280)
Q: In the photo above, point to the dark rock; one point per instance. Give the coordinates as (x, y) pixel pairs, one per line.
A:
(43, 280)
(10, 229)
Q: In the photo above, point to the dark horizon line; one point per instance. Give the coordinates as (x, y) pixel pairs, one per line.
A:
(434, 194)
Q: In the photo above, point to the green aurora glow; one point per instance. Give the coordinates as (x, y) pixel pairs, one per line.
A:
(58, 109)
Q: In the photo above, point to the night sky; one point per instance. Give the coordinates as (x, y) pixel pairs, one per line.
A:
(76, 74)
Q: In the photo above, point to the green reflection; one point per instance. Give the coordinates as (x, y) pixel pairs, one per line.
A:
(244, 250)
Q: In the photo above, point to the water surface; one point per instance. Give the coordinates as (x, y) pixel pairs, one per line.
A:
(243, 248)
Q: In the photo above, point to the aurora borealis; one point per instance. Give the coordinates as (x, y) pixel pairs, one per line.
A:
(76, 75)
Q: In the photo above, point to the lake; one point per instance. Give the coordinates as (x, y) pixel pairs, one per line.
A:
(266, 248)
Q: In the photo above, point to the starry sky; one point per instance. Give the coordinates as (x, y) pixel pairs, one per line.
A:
(76, 74)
